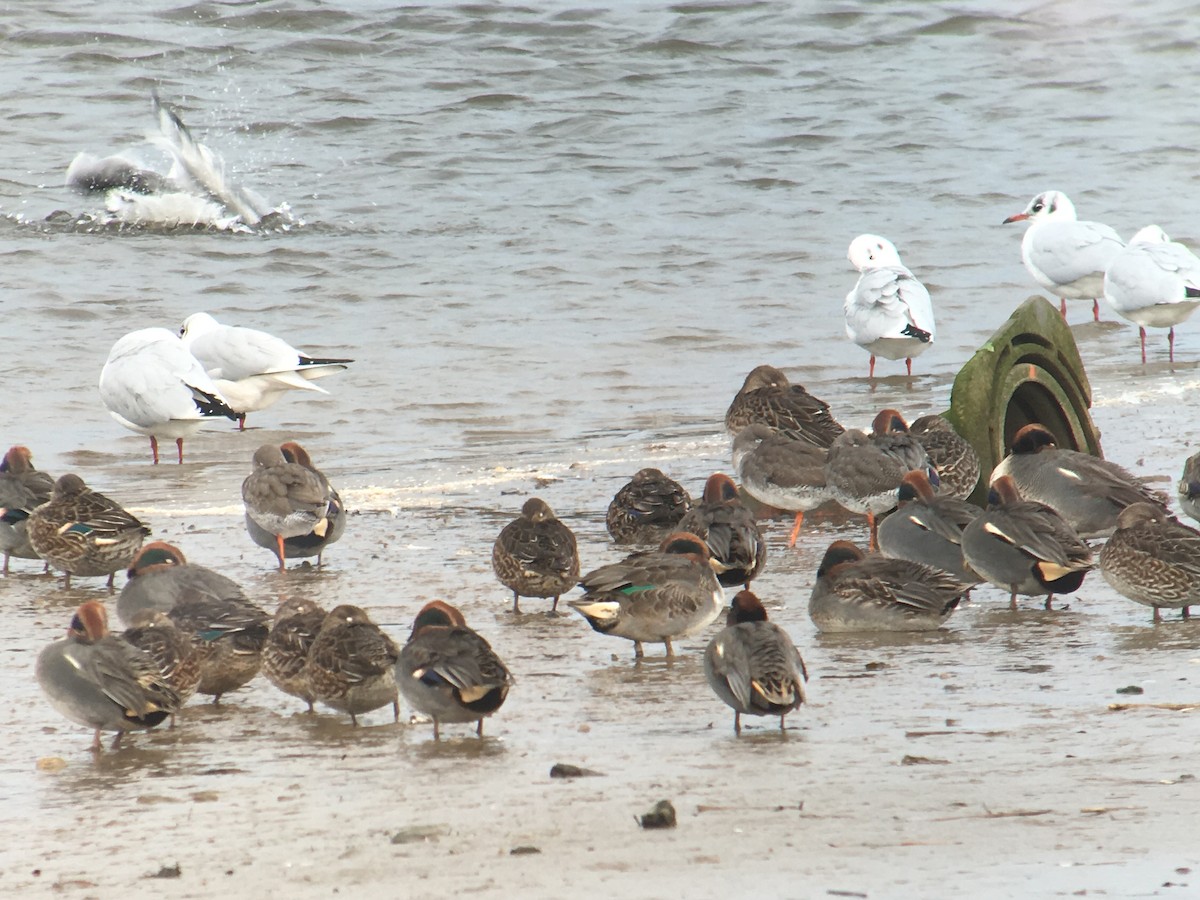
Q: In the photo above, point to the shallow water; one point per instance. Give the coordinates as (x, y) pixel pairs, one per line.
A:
(555, 239)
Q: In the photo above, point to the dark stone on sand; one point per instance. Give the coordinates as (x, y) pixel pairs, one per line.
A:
(166, 872)
(661, 816)
(524, 850)
(566, 770)
(415, 834)
(1131, 689)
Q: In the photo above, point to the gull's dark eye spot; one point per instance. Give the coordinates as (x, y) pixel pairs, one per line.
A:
(1037, 207)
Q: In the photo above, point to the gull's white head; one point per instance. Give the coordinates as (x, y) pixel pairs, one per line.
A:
(1047, 205)
(1151, 234)
(870, 251)
(197, 324)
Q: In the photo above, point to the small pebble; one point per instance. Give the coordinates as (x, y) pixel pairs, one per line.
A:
(1130, 689)
(662, 816)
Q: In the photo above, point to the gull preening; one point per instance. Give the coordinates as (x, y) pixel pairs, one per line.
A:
(1064, 255)
(889, 312)
(252, 369)
(1154, 282)
(153, 385)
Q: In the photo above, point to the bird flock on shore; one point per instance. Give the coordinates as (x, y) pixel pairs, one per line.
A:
(190, 629)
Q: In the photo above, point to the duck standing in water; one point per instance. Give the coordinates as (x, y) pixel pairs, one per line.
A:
(449, 672)
(753, 666)
(102, 682)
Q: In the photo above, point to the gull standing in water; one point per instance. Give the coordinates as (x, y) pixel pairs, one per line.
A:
(252, 369)
(1064, 255)
(153, 385)
(1153, 282)
(889, 312)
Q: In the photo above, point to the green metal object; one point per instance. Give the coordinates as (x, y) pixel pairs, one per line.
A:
(1028, 371)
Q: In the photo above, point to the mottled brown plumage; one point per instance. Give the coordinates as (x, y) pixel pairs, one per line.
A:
(1153, 559)
(84, 533)
(647, 508)
(285, 656)
(535, 555)
(351, 664)
(768, 398)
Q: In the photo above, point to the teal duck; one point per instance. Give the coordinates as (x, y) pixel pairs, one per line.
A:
(22, 489)
(285, 655)
(654, 596)
(155, 634)
(735, 543)
(950, 454)
(927, 527)
(753, 666)
(285, 499)
(352, 664)
(449, 672)
(229, 634)
(100, 681)
(647, 508)
(780, 471)
(1189, 488)
(535, 555)
(768, 398)
(83, 532)
(1088, 492)
(854, 592)
(1025, 547)
(1153, 559)
(328, 530)
(864, 471)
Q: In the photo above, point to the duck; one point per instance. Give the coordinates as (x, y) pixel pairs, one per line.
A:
(173, 652)
(1188, 490)
(752, 664)
(1153, 559)
(857, 592)
(888, 312)
(22, 489)
(449, 672)
(84, 533)
(285, 654)
(1066, 256)
(1154, 282)
(768, 398)
(253, 369)
(352, 664)
(160, 576)
(151, 384)
(535, 555)
(285, 499)
(312, 543)
(229, 634)
(927, 527)
(647, 508)
(780, 471)
(226, 628)
(863, 471)
(1087, 491)
(1025, 547)
(950, 455)
(654, 596)
(736, 546)
(97, 680)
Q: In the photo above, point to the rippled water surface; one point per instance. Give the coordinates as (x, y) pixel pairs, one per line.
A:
(555, 239)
